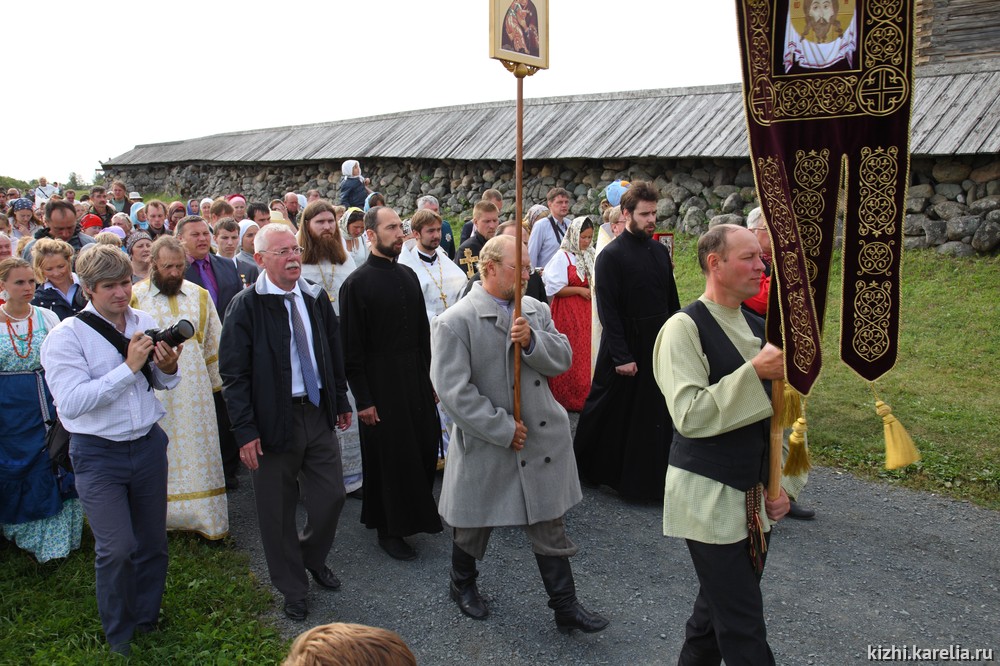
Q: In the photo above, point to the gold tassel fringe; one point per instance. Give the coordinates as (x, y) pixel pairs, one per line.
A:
(791, 407)
(798, 456)
(900, 450)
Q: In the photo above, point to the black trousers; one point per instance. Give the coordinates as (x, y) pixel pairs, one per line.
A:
(728, 617)
(228, 448)
(313, 461)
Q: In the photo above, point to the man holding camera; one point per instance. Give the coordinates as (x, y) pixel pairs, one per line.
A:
(196, 486)
(101, 368)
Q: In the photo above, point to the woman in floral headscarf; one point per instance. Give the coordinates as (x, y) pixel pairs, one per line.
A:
(567, 279)
(352, 233)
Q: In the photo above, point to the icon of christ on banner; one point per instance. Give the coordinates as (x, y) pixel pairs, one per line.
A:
(820, 34)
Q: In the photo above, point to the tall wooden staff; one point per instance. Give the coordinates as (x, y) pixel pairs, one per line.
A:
(519, 39)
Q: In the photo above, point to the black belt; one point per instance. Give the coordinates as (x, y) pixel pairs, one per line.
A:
(300, 400)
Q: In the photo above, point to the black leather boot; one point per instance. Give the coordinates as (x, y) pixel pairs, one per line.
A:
(463, 584)
(558, 578)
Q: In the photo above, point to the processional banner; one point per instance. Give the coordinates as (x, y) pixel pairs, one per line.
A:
(827, 88)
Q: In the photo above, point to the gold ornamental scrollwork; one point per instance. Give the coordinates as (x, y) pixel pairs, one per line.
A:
(875, 258)
(872, 315)
(878, 171)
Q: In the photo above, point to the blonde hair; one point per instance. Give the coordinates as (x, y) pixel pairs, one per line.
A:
(349, 645)
(102, 263)
(47, 247)
(108, 238)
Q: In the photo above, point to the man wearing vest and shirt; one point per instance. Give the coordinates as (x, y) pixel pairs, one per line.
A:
(547, 234)
(714, 369)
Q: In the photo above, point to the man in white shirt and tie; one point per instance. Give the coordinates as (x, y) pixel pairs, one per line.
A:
(284, 409)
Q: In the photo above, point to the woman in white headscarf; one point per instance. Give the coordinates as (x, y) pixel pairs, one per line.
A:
(568, 277)
(353, 186)
(352, 233)
(246, 248)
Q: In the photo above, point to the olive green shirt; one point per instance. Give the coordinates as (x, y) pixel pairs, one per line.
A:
(696, 507)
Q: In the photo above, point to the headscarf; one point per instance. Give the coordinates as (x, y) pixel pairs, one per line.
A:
(613, 193)
(22, 204)
(206, 200)
(174, 206)
(244, 228)
(347, 169)
(193, 207)
(342, 223)
(368, 200)
(133, 215)
(134, 238)
(303, 202)
(571, 244)
(233, 197)
(117, 231)
(535, 213)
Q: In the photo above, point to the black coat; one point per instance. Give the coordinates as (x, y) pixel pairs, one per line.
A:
(51, 299)
(256, 366)
(226, 277)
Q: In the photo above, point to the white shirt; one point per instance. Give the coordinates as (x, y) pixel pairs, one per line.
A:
(556, 273)
(441, 277)
(67, 296)
(298, 384)
(330, 276)
(95, 392)
(543, 241)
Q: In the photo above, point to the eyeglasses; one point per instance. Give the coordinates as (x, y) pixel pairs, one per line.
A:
(284, 252)
(530, 270)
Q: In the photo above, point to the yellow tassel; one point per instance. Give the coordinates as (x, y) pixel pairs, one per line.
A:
(798, 456)
(899, 448)
(791, 407)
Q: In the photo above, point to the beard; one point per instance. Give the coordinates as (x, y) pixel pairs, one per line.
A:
(388, 251)
(323, 248)
(167, 286)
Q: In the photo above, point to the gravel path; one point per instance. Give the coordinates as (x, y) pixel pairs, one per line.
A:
(879, 566)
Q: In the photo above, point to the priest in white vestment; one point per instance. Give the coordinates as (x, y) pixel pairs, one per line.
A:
(196, 485)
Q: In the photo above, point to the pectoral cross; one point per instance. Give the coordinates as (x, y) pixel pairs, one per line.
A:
(469, 262)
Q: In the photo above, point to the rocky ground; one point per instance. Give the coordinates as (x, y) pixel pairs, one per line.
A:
(880, 566)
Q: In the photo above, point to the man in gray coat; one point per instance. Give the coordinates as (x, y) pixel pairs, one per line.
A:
(500, 471)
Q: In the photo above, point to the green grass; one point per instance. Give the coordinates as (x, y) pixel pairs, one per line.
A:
(943, 388)
(213, 605)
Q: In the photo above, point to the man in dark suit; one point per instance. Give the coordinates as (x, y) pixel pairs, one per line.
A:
(284, 409)
(205, 269)
(219, 277)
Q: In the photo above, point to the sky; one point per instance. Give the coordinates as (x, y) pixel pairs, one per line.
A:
(143, 75)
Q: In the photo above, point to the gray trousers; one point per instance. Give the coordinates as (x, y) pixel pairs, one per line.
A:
(547, 538)
(313, 459)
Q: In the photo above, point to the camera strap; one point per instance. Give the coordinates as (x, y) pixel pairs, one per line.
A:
(114, 338)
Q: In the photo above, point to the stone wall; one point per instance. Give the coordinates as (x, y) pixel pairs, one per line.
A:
(953, 205)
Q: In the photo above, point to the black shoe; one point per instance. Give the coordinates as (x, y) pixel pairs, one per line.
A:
(397, 548)
(557, 575)
(358, 494)
(150, 627)
(580, 618)
(232, 483)
(325, 578)
(469, 600)
(799, 512)
(296, 610)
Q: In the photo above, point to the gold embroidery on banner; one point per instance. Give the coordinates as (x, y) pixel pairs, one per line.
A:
(880, 91)
(872, 314)
(781, 223)
(811, 170)
(877, 208)
(875, 258)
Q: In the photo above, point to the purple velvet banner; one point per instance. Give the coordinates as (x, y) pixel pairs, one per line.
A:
(827, 89)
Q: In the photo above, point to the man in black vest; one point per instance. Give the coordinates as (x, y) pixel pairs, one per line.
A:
(714, 369)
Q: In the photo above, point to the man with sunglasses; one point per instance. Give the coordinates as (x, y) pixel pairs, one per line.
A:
(284, 408)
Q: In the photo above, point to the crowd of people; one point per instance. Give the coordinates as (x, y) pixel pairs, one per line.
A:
(238, 331)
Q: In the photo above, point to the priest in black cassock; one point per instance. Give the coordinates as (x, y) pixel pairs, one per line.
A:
(624, 433)
(485, 218)
(387, 358)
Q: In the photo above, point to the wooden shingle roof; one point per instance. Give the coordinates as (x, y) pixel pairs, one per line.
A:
(956, 111)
